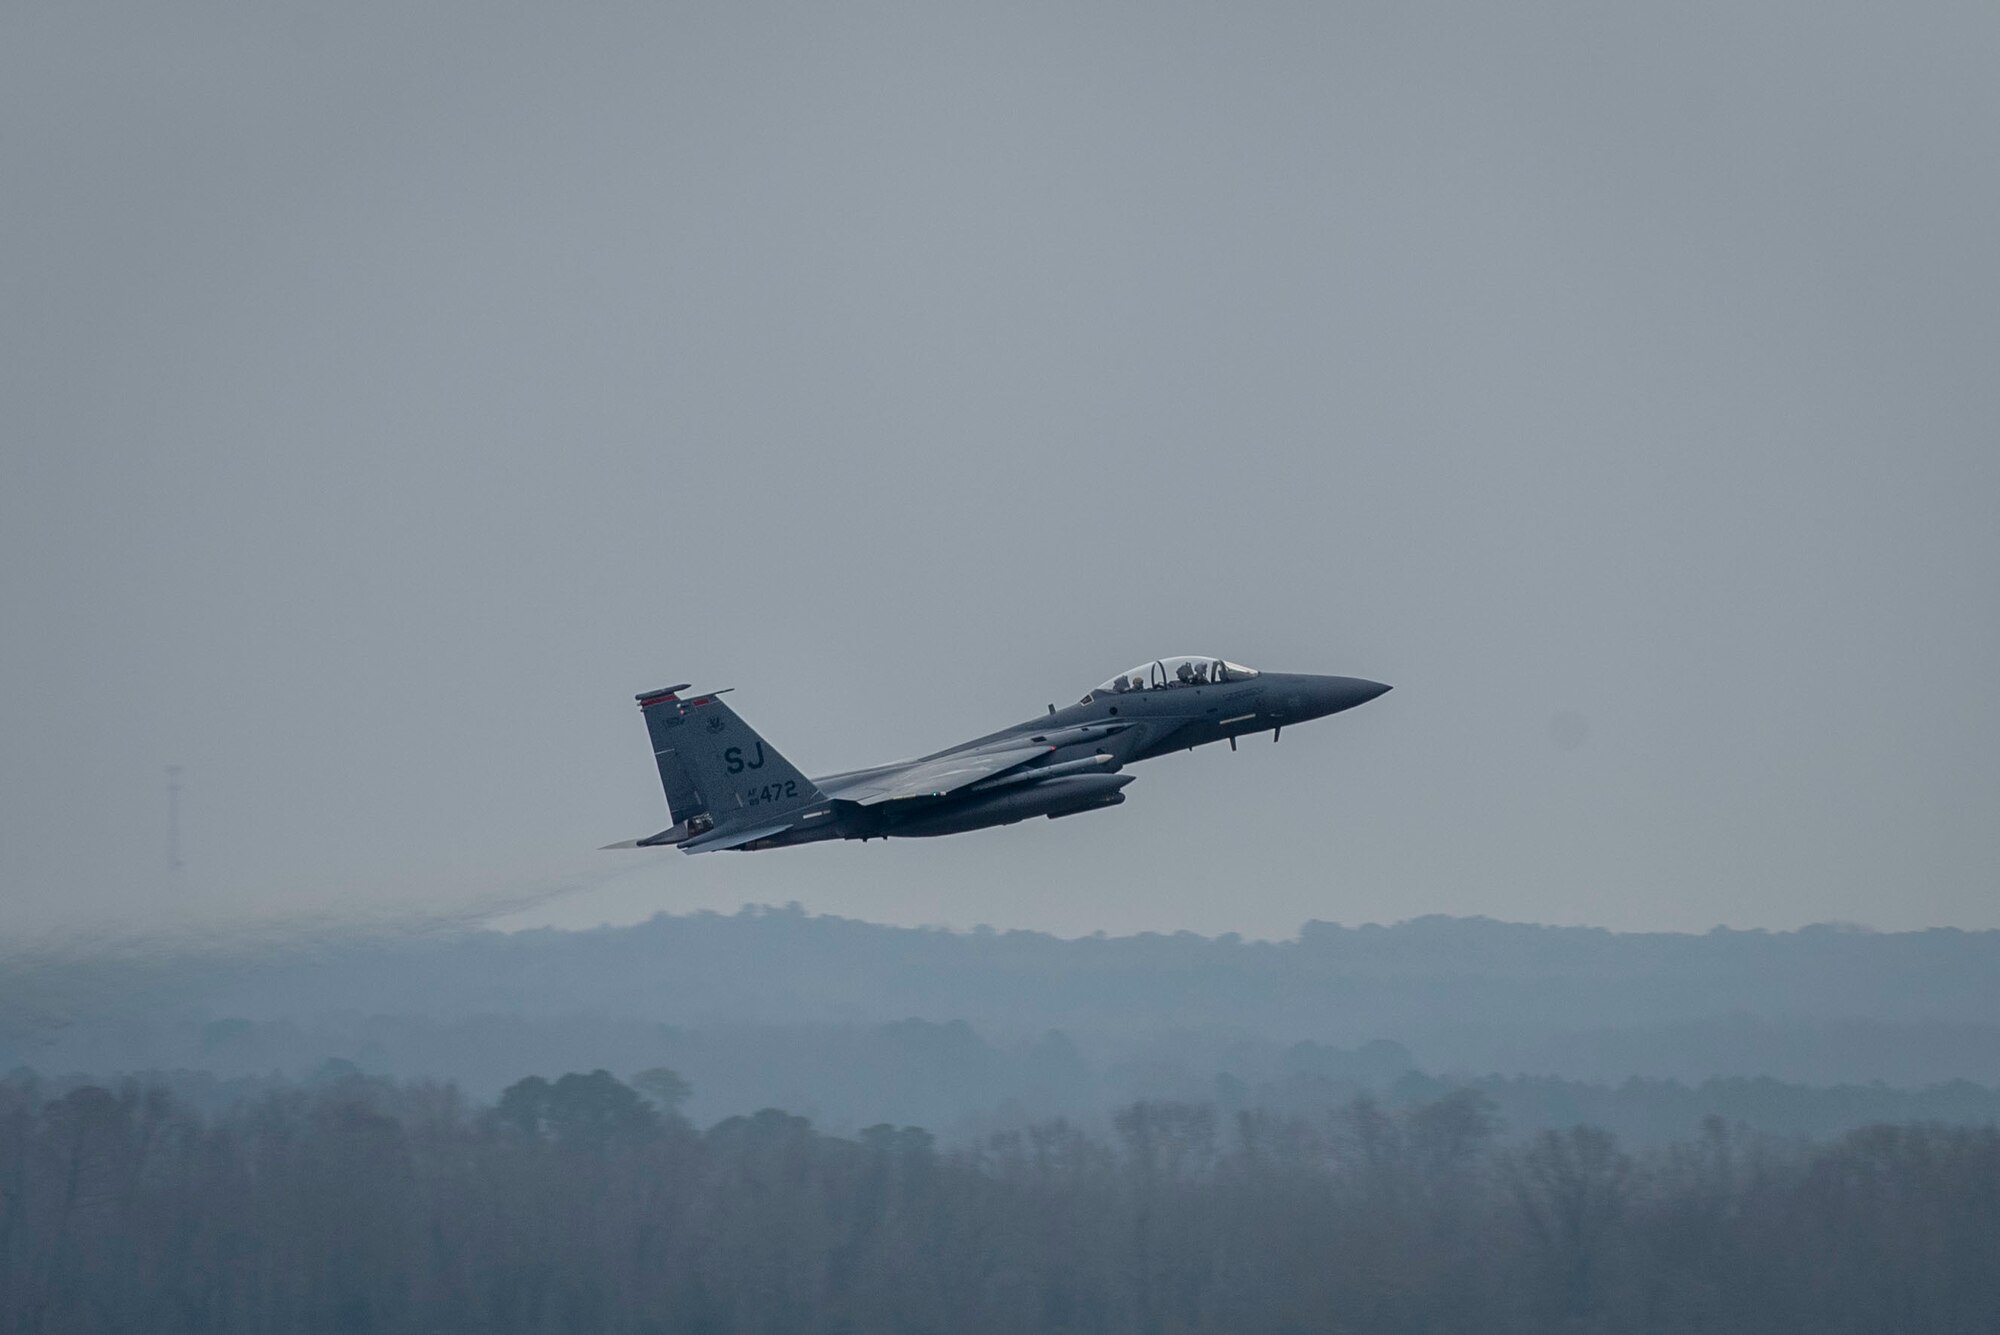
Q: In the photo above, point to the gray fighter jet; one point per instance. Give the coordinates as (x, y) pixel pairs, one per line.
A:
(729, 788)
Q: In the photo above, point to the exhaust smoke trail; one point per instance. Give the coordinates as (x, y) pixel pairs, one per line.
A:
(61, 976)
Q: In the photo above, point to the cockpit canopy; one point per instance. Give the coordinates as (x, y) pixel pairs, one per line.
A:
(1169, 673)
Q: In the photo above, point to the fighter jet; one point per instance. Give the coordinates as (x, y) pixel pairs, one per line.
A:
(729, 788)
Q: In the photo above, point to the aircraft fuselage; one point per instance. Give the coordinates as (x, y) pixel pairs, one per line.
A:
(738, 792)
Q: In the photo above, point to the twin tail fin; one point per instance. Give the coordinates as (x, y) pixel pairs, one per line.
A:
(718, 774)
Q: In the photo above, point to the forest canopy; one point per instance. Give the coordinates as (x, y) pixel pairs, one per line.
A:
(578, 1203)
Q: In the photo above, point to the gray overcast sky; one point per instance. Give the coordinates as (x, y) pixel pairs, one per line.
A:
(388, 392)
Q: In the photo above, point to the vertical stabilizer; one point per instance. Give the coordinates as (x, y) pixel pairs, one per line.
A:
(662, 709)
(716, 771)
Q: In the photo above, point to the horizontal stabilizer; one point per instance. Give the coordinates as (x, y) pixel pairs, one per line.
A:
(674, 834)
(716, 839)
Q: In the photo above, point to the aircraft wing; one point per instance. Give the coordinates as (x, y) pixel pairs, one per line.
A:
(934, 777)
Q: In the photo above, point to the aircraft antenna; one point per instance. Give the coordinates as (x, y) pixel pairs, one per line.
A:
(174, 864)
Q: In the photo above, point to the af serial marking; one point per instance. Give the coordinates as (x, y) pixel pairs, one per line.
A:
(1065, 762)
(770, 792)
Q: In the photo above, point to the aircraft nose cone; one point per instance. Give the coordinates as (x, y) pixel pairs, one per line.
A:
(1340, 693)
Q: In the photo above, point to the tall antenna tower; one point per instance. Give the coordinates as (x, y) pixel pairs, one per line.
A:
(174, 863)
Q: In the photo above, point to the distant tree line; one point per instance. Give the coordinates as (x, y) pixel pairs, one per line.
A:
(956, 1081)
(585, 1203)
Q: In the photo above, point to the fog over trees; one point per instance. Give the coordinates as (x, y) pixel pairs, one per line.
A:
(770, 1121)
(576, 1204)
(851, 1023)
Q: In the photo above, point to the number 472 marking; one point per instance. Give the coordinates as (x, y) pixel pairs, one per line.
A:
(772, 792)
